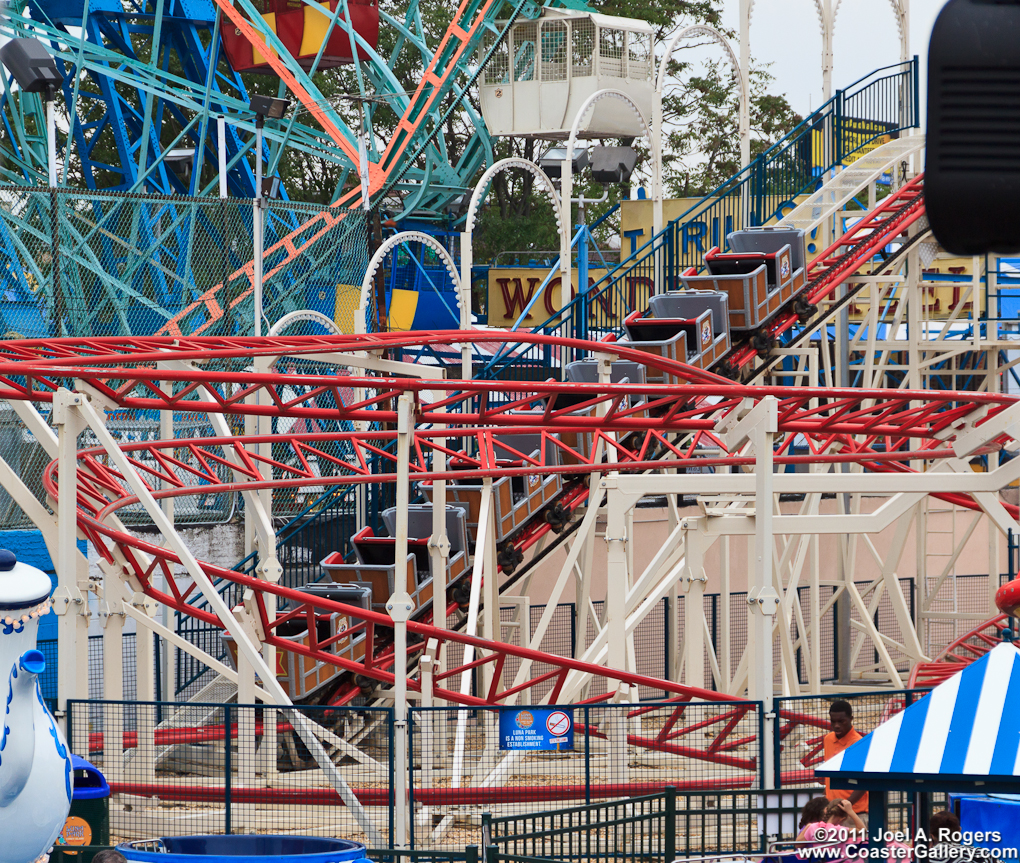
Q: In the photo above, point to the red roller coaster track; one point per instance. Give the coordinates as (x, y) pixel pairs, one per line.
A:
(645, 427)
(860, 244)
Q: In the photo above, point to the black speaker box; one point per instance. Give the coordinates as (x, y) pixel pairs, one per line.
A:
(972, 174)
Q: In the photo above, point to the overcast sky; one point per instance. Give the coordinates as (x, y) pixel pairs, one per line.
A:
(786, 34)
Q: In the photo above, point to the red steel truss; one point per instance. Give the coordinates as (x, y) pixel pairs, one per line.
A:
(961, 653)
(641, 427)
(855, 249)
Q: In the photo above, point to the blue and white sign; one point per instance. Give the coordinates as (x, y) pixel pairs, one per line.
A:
(539, 729)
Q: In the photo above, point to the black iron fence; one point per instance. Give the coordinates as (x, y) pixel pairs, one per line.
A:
(802, 722)
(638, 783)
(640, 828)
(458, 759)
(870, 111)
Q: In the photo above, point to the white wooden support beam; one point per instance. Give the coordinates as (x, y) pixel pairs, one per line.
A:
(111, 615)
(1004, 422)
(143, 762)
(762, 599)
(693, 582)
(399, 608)
(70, 599)
(246, 647)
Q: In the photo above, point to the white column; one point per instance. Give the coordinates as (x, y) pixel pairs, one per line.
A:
(762, 598)
(113, 690)
(70, 598)
(143, 764)
(399, 609)
(405, 404)
(51, 144)
(221, 152)
(466, 262)
(617, 580)
(694, 580)
(256, 227)
(567, 224)
(827, 16)
(745, 78)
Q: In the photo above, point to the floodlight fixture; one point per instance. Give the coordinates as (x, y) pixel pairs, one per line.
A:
(35, 70)
(613, 165)
(32, 66)
(458, 206)
(268, 107)
(552, 159)
(271, 188)
(181, 161)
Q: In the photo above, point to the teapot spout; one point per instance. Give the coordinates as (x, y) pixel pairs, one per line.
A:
(17, 740)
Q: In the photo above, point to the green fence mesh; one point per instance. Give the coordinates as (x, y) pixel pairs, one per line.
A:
(80, 263)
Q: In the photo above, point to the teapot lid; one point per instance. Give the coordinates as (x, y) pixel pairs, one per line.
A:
(22, 586)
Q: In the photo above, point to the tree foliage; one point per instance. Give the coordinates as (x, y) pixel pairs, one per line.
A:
(702, 147)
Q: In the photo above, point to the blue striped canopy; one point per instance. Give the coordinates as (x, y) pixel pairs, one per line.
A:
(966, 732)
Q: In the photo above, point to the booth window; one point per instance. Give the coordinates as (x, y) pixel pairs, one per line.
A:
(583, 47)
(554, 50)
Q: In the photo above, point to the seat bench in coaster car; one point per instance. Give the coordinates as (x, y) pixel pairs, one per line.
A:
(621, 372)
(764, 272)
(302, 676)
(687, 326)
(376, 567)
(516, 499)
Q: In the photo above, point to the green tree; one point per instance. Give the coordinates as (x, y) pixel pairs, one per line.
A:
(702, 146)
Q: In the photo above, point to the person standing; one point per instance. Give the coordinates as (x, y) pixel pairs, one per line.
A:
(843, 734)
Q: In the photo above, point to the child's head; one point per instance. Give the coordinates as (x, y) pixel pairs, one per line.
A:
(834, 813)
(814, 810)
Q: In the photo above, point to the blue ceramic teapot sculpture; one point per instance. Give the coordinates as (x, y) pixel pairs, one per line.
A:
(35, 765)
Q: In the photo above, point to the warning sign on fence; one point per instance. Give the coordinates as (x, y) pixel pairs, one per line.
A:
(535, 728)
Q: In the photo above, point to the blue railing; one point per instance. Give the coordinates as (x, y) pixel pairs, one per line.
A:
(879, 105)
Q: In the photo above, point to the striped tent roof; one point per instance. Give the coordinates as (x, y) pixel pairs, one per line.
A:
(966, 731)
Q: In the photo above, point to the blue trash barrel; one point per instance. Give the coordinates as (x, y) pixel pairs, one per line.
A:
(238, 848)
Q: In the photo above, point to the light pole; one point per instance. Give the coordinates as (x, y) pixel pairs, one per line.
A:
(274, 109)
(566, 187)
(657, 120)
(467, 235)
(35, 70)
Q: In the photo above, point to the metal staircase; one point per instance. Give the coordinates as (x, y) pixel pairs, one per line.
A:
(846, 184)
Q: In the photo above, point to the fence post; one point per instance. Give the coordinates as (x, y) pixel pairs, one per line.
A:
(669, 838)
(573, 628)
(393, 785)
(471, 852)
(587, 757)
(837, 144)
(69, 707)
(227, 765)
(777, 743)
(486, 831)
(915, 73)
(491, 854)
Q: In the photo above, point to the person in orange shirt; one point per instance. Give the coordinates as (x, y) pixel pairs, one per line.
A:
(843, 734)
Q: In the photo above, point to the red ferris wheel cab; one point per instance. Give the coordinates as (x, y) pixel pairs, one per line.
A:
(302, 29)
(1007, 597)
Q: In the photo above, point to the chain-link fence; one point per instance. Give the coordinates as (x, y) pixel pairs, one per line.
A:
(228, 768)
(28, 458)
(89, 263)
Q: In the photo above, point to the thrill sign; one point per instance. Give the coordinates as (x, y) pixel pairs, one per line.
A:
(536, 728)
